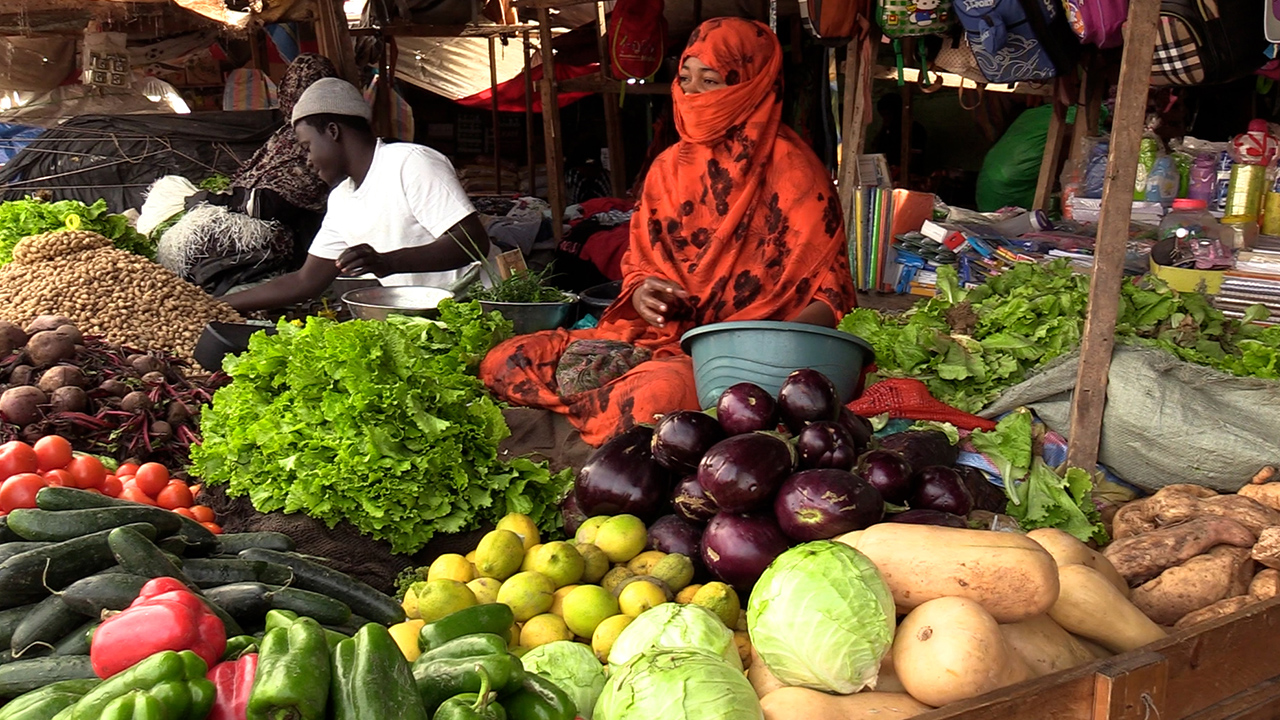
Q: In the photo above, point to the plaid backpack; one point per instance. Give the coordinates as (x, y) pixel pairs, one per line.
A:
(1202, 42)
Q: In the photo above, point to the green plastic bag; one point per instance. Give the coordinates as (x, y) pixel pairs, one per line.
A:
(1012, 166)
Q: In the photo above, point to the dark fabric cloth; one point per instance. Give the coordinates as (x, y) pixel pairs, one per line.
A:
(592, 364)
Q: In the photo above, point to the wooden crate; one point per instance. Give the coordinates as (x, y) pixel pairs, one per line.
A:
(1228, 669)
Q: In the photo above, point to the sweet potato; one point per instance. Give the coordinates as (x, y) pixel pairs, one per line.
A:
(1267, 493)
(1265, 585)
(1139, 558)
(1177, 508)
(1133, 518)
(1267, 550)
(1203, 580)
(1222, 608)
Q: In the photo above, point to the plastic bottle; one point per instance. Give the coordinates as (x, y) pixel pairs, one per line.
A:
(1204, 178)
(1162, 181)
(1196, 233)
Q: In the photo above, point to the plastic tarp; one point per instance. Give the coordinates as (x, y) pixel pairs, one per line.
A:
(118, 157)
(458, 69)
(15, 137)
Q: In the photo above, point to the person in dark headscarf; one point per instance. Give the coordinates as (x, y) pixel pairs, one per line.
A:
(263, 226)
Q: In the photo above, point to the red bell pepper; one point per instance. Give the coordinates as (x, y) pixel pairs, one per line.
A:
(233, 680)
(165, 616)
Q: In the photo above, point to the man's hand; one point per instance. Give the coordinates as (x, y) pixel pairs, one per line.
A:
(658, 300)
(362, 260)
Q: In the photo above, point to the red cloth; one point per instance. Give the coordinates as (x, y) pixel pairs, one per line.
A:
(909, 399)
(511, 92)
(599, 206)
(606, 249)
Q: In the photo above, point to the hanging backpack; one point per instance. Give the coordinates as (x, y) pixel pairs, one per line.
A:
(1018, 40)
(834, 22)
(1203, 42)
(914, 18)
(637, 38)
(1098, 22)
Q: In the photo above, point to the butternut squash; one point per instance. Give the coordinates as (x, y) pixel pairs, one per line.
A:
(951, 649)
(796, 703)
(1010, 575)
(1045, 646)
(1098, 652)
(1067, 550)
(1090, 606)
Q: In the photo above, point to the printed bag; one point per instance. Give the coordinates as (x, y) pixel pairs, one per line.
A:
(1018, 40)
(637, 38)
(914, 18)
(1202, 42)
(1098, 22)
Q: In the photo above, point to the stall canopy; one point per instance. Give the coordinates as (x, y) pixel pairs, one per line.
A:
(118, 157)
(449, 67)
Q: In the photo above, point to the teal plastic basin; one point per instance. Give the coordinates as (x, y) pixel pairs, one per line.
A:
(766, 352)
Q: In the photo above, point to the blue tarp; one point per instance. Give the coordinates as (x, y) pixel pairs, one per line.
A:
(15, 137)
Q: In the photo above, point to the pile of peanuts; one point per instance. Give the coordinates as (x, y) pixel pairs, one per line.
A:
(117, 295)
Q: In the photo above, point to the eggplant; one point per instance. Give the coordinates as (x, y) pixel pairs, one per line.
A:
(889, 473)
(826, 444)
(738, 548)
(807, 396)
(986, 496)
(571, 513)
(680, 439)
(673, 534)
(821, 504)
(859, 427)
(746, 408)
(743, 472)
(692, 503)
(930, 517)
(622, 477)
(922, 448)
(941, 488)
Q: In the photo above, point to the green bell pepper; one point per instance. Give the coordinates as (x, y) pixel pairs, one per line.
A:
(240, 645)
(48, 701)
(494, 618)
(371, 679)
(468, 646)
(472, 706)
(539, 699)
(292, 682)
(283, 618)
(136, 705)
(439, 680)
(175, 679)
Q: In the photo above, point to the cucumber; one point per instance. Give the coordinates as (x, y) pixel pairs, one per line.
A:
(104, 591)
(7, 535)
(10, 620)
(174, 545)
(48, 623)
(247, 602)
(321, 608)
(213, 572)
(234, 543)
(138, 555)
(30, 577)
(197, 537)
(56, 526)
(358, 596)
(77, 641)
(10, 549)
(22, 676)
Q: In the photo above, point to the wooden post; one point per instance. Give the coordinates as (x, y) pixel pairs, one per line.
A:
(853, 138)
(528, 116)
(1089, 401)
(1131, 687)
(334, 38)
(904, 161)
(1051, 163)
(493, 92)
(551, 126)
(612, 118)
(382, 105)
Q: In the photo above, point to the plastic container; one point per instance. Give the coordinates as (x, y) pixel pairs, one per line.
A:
(529, 318)
(1204, 177)
(1239, 232)
(1196, 234)
(766, 352)
(1162, 181)
(1244, 190)
(221, 339)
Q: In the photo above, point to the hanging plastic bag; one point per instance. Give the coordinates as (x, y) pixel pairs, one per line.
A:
(1012, 166)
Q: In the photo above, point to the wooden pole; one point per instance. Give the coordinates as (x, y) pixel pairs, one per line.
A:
(497, 131)
(382, 98)
(612, 118)
(1089, 401)
(1051, 163)
(334, 38)
(528, 116)
(853, 138)
(551, 126)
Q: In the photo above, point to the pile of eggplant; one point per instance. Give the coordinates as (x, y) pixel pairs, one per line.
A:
(735, 487)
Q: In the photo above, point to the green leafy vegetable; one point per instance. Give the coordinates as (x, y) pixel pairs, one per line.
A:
(24, 218)
(215, 183)
(1008, 446)
(380, 424)
(1064, 502)
(522, 287)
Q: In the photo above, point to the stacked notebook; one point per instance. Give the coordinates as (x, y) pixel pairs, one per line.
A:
(1254, 281)
(881, 214)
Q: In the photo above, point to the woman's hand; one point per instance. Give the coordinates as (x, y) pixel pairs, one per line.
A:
(657, 300)
(818, 313)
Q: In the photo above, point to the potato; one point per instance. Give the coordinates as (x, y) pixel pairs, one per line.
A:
(61, 376)
(23, 405)
(1221, 573)
(1265, 585)
(48, 348)
(1139, 558)
(1267, 493)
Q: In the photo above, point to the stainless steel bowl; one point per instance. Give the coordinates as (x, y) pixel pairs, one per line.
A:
(376, 303)
(534, 317)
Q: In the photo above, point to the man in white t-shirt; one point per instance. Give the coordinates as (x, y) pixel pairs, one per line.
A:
(396, 211)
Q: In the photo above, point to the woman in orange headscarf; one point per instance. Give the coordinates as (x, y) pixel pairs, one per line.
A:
(737, 221)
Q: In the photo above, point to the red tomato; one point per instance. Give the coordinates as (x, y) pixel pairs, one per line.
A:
(88, 471)
(127, 469)
(19, 491)
(59, 478)
(112, 486)
(53, 452)
(133, 494)
(152, 478)
(185, 512)
(174, 495)
(17, 458)
(202, 513)
(214, 528)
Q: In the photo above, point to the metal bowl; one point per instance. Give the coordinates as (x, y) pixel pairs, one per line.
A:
(376, 303)
(534, 317)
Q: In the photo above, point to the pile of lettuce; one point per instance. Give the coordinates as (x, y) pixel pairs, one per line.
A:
(380, 424)
(23, 218)
(970, 345)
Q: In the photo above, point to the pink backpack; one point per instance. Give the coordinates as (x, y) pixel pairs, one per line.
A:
(1098, 22)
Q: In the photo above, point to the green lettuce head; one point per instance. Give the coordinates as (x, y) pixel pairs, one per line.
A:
(672, 625)
(571, 666)
(821, 617)
(685, 684)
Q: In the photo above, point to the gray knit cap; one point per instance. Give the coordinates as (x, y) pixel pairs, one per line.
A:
(331, 96)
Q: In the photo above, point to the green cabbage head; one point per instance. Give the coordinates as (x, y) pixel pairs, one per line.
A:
(571, 666)
(672, 625)
(683, 684)
(821, 617)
